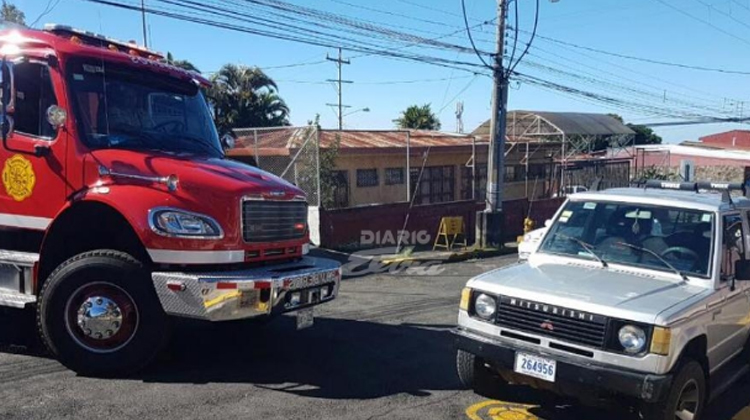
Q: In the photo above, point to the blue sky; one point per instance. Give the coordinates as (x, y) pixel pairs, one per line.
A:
(643, 28)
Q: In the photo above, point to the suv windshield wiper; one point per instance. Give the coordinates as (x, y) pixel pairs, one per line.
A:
(659, 257)
(588, 247)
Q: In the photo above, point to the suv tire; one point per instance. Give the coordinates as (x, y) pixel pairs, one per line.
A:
(99, 314)
(688, 392)
(473, 374)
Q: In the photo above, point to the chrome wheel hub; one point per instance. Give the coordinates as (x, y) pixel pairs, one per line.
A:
(688, 402)
(99, 317)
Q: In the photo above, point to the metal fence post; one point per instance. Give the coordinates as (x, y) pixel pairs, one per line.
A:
(317, 164)
(473, 168)
(255, 148)
(408, 167)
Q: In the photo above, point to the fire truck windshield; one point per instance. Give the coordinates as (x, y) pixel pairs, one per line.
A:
(122, 107)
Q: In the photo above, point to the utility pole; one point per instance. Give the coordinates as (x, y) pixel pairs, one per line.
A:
(490, 221)
(143, 18)
(339, 62)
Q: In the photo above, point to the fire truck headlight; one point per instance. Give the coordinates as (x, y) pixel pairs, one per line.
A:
(183, 224)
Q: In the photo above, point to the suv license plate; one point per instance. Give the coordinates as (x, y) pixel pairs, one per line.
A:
(305, 318)
(536, 366)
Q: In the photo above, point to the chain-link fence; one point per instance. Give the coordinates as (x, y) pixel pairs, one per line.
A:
(289, 152)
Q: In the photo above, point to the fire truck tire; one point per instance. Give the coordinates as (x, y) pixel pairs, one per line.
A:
(99, 315)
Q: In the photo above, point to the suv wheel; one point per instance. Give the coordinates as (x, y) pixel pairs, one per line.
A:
(99, 314)
(473, 374)
(686, 399)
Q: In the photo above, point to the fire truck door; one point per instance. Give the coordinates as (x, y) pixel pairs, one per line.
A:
(33, 185)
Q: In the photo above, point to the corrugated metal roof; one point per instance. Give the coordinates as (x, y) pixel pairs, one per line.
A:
(570, 123)
(280, 141)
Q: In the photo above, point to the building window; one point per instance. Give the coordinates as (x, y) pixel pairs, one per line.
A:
(339, 189)
(434, 186)
(467, 181)
(394, 176)
(367, 178)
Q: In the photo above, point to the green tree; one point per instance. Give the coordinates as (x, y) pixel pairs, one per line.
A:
(11, 13)
(245, 97)
(643, 134)
(183, 64)
(418, 118)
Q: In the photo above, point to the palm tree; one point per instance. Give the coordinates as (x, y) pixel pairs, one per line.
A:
(245, 97)
(10, 13)
(419, 118)
(183, 64)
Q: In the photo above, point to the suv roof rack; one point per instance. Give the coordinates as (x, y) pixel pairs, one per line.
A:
(725, 187)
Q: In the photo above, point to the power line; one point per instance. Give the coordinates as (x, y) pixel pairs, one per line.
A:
(641, 59)
(705, 22)
(721, 12)
(511, 66)
(468, 32)
(334, 42)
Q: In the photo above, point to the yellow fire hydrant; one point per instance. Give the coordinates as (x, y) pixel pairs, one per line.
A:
(528, 226)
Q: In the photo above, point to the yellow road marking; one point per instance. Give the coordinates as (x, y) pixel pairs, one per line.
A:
(744, 414)
(501, 410)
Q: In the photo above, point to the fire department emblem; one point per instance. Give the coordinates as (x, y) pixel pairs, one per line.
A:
(18, 177)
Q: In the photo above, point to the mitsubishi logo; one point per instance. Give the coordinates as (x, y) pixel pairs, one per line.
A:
(547, 325)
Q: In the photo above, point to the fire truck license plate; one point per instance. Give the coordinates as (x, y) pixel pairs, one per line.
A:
(535, 366)
(305, 318)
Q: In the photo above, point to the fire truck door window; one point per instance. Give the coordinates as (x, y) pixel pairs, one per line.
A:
(34, 94)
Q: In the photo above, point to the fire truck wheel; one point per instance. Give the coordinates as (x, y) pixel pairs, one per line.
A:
(99, 314)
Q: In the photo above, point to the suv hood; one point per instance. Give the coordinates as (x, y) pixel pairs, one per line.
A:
(194, 172)
(610, 291)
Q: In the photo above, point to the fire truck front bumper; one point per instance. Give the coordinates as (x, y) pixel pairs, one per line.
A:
(249, 293)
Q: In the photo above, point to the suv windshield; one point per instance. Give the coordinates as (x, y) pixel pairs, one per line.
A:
(660, 238)
(121, 107)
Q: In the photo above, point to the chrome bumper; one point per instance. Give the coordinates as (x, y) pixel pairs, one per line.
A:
(231, 295)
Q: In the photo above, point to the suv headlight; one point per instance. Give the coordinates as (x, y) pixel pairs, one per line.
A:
(485, 306)
(180, 223)
(632, 339)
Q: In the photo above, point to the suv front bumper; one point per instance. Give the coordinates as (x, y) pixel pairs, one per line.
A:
(241, 294)
(573, 378)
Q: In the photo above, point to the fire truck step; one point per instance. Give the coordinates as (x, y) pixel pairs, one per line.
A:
(26, 259)
(13, 299)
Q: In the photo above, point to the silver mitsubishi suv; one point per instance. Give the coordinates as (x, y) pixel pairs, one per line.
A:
(635, 294)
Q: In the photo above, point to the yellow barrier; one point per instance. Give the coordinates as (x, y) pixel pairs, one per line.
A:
(450, 229)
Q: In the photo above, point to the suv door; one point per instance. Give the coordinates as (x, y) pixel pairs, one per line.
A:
(729, 308)
(33, 187)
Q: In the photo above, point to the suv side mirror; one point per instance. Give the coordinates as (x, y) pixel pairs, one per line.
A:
(548, 223)
(7, 98)
(742, 270)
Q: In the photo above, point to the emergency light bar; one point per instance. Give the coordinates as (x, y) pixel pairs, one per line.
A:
(98, 40)
(697, 186)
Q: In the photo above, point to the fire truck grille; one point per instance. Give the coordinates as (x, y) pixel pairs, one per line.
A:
(552, 321)
(270, 221)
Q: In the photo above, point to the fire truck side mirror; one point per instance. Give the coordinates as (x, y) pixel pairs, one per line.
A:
(227, 142)
(7, 97)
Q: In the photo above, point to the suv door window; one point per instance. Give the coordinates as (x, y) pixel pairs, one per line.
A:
(733, 247)
(34, 94)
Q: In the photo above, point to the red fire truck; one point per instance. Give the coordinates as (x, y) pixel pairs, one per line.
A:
(118, 210)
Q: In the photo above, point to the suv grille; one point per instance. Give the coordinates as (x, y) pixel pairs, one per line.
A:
(270, 221)
(553, 321)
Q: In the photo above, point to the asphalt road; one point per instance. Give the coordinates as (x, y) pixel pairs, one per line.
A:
(381, 350)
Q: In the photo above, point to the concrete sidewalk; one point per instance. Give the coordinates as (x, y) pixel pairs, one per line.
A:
(411, 255)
